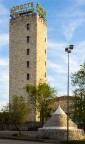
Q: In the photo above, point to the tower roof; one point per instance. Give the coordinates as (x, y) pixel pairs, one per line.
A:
(59, 111)
(59, 120)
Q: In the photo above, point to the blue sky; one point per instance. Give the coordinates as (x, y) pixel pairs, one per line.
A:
(66, 25)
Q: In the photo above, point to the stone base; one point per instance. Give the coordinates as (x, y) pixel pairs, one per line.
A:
(60, 134)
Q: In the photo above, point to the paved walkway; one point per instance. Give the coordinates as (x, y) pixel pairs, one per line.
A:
(26, 136)
(2, 141)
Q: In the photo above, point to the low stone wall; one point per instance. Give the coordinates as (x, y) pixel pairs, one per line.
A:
(60, 134)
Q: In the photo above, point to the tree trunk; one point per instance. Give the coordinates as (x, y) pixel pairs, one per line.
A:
(41, 117)
(19, 131)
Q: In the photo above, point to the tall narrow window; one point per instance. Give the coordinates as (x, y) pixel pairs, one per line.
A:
(45, 39)
(28, 76)
(45, 63)
(27, 51)
(27, 63)
(45, 51)
(27, 39)
(45, 74)
(28, 26)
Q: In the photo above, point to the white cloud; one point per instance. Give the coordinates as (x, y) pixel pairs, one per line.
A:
(56, 67)
(78, 14)
(56, 45)
(4, 19)
(59, 85)
(79, 52)
(51, 29)
(73, 62)
(4, 10)
(56, 48)
(80, 47)
(71, 13)
(2, 104)
(51, 80)
(72, 19)
(80, 2)
(74, 65)
(4, 62)
(4, 22)
(4, 39)
(70, 27)
(4, 81)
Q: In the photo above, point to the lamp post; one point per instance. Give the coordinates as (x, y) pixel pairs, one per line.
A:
(68, 50)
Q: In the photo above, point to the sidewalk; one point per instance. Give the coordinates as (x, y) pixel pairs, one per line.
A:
(26, 136)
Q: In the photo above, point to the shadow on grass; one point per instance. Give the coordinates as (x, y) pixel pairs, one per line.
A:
(17, 134)
(74, 142)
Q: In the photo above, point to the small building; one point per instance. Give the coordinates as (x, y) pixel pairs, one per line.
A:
(56, 128)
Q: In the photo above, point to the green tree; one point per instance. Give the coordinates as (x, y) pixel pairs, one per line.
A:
(18, 111)
(38, 96)
(4, 118)
(78, 81)
(1, 121)
(78, 78)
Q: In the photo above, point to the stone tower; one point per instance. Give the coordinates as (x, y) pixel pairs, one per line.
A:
(28, 54)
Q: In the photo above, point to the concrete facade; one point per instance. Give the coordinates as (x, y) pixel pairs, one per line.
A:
(28, 55)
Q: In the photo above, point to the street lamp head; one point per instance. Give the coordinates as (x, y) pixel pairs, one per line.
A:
(68, 50)
(71, 47)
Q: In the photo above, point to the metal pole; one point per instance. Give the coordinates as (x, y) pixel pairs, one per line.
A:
(68, 102)
(68, 50)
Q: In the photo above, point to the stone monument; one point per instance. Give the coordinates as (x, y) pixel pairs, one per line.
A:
(56, 128)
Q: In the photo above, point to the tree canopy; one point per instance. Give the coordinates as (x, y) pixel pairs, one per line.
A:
(38, 96)
(78, 81)
(4, 118)
(18, 111)
(78, 78)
